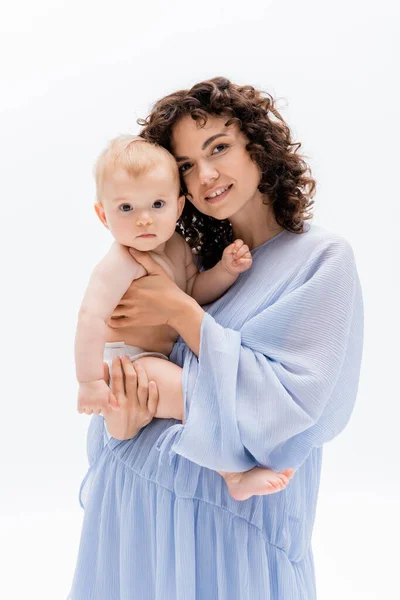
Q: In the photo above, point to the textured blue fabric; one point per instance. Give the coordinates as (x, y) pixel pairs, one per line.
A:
(276, 378)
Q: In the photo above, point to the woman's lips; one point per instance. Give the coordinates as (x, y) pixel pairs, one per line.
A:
(147, 235)
(220, 197)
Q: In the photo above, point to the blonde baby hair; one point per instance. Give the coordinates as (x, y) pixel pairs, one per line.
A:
(135, 155)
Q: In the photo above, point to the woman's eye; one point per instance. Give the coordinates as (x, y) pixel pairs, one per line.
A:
(184, 167)
(219, 148)
(158, 204)
(125, 207)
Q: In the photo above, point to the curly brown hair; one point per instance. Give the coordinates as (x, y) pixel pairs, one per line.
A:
(285, 177)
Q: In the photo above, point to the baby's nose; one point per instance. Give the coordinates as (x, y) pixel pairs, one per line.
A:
(144, 219)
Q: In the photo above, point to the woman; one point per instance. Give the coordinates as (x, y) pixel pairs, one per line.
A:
(270, 373)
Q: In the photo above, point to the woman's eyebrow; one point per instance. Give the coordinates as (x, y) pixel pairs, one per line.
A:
(204, 146)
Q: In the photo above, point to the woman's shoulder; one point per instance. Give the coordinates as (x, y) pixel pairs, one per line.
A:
(317, 242)
(316, 236)
(293, 258)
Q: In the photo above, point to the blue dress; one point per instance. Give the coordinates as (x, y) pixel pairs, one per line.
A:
(276, 378)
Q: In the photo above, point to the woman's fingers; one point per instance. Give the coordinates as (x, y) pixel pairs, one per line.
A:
(153, 398)
(117, 386)
(119, 311)
(130, 385)
(106, 410)
(131, 380)
(113, 400)
(118, 323)
(142, 384)
(106, 373)
(144, 259)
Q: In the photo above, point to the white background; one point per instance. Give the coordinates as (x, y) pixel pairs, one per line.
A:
(74, 75)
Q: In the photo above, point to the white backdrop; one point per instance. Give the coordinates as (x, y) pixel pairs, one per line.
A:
(75, 74)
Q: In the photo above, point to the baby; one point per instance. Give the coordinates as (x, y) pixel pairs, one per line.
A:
(139, 201)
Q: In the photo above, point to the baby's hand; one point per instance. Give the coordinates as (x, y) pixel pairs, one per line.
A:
(236, 258)
(95, 397)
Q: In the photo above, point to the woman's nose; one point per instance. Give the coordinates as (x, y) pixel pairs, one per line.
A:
(207, 174)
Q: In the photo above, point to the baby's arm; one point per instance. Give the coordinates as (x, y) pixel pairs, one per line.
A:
(208, 286)
(108, 283)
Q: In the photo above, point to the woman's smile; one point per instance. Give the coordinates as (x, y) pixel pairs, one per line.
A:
(218, 194)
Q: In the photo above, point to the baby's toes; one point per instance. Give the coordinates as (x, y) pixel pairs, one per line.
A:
(275, 483)
(284, 480)
(287, 473)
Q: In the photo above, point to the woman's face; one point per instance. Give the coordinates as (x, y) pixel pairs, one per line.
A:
(220, 176)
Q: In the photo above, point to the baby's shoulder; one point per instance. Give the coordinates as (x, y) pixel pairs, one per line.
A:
(180, 256)
(116, 256)
(177, 248)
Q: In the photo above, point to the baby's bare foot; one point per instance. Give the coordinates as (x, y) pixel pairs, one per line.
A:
(257, 482)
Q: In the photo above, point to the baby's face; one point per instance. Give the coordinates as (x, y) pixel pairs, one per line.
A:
(141, 212)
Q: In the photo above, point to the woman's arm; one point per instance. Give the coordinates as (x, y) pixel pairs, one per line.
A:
(282, 385)
(285, 383)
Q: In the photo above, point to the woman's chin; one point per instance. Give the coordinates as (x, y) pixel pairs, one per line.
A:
(220, 213)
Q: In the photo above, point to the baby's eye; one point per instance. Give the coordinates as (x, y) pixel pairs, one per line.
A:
(184, 167)
(158, 204)
(125, 207)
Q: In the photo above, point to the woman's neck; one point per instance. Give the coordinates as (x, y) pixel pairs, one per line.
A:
(255, 226)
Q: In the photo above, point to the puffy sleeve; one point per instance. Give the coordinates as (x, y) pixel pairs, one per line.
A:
(286, 382)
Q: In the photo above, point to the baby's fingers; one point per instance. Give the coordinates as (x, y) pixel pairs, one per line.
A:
(244, 260)
(237, 245)
(243, 264)
(243, 251)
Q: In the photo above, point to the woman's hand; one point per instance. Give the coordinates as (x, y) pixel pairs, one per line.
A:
(151, 300)
(137, 398)
(156, 300)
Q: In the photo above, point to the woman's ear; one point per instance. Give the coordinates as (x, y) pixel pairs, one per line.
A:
(100, 212)
(181, 204)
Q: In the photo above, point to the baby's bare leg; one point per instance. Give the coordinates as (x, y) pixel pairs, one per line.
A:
(168, 378)
(241, 486)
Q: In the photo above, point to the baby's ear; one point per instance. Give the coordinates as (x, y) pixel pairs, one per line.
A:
(181, 204)
(100, 212)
